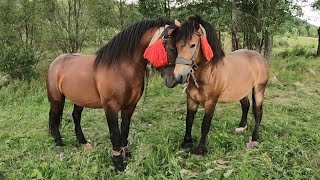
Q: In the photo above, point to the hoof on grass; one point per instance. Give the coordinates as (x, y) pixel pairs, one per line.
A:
(240, 130)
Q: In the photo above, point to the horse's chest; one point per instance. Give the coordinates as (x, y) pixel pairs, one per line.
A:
(198, 95)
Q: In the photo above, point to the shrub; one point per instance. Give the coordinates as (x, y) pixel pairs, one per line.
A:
(17, 61)
(282, 42)
(298, 51)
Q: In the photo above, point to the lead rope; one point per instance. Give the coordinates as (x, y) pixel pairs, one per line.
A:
(191, 74)
(146, 80)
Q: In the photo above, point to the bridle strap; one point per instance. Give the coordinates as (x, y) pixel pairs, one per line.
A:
(192, 63)
(181, 60)
(158, 34)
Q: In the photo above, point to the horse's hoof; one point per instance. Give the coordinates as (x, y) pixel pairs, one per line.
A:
(118, 163)
(59, 144)
(186, 146)
(240, 130)
(126, 153)
(200, 151)
(252, 144)
(60, 155)
(87, 146)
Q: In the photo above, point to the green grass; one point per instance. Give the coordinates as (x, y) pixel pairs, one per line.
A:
(289, 148)
(283, 43)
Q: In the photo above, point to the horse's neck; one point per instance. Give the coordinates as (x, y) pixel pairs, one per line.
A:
(208, 71)
(142, 46)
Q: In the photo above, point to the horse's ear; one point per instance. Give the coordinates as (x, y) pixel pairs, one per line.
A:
(156, 54)
(177, 23)
(206, 48)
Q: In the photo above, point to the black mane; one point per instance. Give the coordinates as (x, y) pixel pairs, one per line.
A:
(123, 45)
(188, 28)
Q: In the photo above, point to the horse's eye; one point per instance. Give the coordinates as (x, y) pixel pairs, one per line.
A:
(193, 45)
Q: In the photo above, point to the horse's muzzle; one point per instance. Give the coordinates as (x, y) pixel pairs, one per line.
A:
(181, 75)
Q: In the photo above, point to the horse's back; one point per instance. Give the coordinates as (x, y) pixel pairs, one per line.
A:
(242, 70)
(244, 62)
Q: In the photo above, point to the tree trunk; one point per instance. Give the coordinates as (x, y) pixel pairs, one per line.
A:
(167, 8)
(121, 15)
(235, 44)
(268, 44)
(318, 51)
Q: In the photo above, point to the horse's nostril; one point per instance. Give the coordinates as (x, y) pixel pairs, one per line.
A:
(178, 78)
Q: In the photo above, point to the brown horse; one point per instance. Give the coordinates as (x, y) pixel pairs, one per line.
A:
(216, 77)
(113, 79)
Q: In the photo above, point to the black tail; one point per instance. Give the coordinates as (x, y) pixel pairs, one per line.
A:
(55, 115)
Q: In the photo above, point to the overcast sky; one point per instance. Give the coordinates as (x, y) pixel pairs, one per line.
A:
(309, 14)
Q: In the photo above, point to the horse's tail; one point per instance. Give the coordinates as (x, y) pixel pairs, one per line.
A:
(55, 97)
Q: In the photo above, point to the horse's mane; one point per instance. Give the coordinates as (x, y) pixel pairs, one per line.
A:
(123, 45)
(188, 28)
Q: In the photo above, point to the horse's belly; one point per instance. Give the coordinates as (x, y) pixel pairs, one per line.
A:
(87, 101)
(81, 92)
(234, 94)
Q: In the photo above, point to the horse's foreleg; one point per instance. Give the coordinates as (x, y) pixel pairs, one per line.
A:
(76, 114)
(245, 105)
(115, 136)
(125, 126)
(205, 127)
(191, 111)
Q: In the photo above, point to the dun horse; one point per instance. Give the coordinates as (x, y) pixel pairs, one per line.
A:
(215, 77)
(113, 79)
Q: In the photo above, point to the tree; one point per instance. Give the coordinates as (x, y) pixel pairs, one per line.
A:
(22, 21)
(155, 8)
(69, 23)
(316, 5)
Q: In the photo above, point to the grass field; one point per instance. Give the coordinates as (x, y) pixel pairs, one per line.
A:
(289, 148)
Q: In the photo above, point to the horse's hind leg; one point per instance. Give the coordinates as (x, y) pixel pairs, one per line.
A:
(55, 116)
(76, 114)
(125, 126)
(257, 102)
(245, 105)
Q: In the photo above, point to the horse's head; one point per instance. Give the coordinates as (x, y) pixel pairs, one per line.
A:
(162, 54)
(192, 46)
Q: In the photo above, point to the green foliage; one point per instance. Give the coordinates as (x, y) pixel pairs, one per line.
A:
(18, 62)
(316, 4)
(281, 42)
(298, 50)
(151, 8)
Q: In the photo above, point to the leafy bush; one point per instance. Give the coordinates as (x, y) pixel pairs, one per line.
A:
(281, 42)
(17, 61)
(299, 51)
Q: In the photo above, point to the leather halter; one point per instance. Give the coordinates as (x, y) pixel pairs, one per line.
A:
(192, 63)
(165, 36)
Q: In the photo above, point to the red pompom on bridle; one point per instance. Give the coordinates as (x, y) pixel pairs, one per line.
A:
(206, 48)
(156, 54)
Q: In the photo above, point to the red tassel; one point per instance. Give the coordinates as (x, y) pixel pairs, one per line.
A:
(156, 54)
(206, 49)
